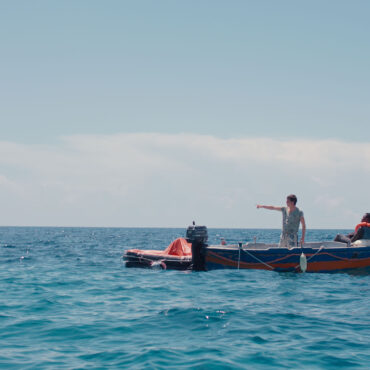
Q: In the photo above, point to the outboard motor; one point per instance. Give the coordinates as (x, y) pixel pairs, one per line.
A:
(198, 237)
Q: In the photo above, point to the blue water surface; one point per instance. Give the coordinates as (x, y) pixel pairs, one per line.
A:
(68, 301)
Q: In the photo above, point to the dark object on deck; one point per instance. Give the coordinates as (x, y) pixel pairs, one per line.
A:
(198, 237)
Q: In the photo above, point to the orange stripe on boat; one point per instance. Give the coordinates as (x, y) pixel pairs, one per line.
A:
(311, 266)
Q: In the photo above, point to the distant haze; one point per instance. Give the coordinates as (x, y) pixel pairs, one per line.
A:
(170, 180)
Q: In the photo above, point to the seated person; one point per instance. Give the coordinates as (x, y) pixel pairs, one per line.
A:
(362, 231)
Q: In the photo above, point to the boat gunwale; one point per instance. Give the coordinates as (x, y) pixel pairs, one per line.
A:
(275, 246)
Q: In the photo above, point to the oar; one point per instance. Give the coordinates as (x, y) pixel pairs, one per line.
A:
(302, 260)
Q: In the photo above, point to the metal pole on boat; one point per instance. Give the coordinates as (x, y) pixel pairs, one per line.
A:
(240, 247)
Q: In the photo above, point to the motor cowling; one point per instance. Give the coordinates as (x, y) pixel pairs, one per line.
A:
(198, 234)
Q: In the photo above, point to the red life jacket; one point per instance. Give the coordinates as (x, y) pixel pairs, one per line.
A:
(362, 224)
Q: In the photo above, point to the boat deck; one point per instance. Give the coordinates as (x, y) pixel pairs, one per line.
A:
(266, 246)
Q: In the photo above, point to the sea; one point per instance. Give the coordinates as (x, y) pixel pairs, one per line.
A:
(67, 301)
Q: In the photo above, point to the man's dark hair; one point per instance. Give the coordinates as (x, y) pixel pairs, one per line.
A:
(292, 198)
(366, 217)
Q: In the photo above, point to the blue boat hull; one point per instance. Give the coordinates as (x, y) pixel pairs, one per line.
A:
(321, 257)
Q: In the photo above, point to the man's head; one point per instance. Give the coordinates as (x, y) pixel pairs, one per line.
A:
(366, 218)
(292, 198)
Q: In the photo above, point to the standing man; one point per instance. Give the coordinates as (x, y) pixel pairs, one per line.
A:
(292, 216)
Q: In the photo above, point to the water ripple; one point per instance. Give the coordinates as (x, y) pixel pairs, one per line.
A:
(71, 303)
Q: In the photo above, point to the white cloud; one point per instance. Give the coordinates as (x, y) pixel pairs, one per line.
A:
(169, 180)
(329, 202)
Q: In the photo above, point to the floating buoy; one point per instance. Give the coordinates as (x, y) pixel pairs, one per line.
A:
(303, 262)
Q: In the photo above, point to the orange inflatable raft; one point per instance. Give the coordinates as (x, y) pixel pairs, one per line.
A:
(176, 256)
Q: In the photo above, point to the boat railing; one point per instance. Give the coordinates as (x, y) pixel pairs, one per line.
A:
(309, 245)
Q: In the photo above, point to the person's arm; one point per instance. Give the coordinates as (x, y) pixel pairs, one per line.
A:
(358, 234)
(303, 223)
(272, 208)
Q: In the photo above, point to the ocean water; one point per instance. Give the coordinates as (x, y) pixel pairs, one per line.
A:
(68, 301)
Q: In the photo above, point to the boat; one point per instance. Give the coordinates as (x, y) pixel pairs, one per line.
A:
(325, 256)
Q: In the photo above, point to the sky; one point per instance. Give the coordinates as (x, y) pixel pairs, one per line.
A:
(157, 113)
